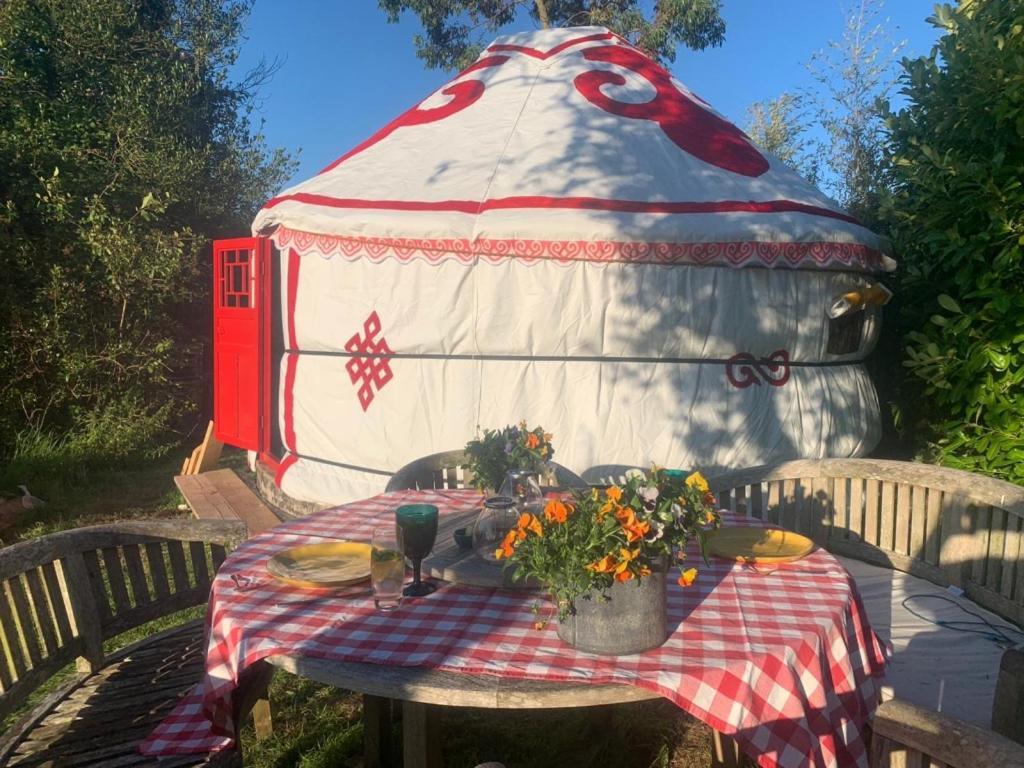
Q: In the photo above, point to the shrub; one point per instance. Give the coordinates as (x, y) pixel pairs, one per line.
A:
(957, 218)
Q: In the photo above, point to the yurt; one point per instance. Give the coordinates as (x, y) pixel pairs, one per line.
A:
(563, 233)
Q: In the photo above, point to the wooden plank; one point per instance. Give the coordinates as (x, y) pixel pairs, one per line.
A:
(199, 568)
(996, 548)
(136, 574)
(856, 507)
(821, 509)
(421, 736)
(840, 508)
(901, 543)
(58, 603)
(208, 451)
(116, 579)
(918, 522)
(157, 569)
(953, 741)
(872, 515)
(377, 745)
(887, 517)
(774, 502)
(41, 610)
(13, 652)
(221, 494)
(740, 498)
(218, 554)
(95, 583)
(85, 610)
(802, 513)
(757, 500)
(981, 533)
(933, 526)
(1011, 557)
(18, 597)
(176, 552)
(787, 515)
(957, 547)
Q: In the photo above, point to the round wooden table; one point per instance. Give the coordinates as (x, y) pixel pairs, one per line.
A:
(418, 690)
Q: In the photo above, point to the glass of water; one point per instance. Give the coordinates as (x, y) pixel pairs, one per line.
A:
(387, 567)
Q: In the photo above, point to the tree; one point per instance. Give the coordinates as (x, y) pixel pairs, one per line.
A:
(854, 78)
(956, 215)
(778, 126)
(124, 147)
(455, 31)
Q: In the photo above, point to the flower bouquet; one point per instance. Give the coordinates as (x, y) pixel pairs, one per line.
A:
(614, 546)
(491, 457)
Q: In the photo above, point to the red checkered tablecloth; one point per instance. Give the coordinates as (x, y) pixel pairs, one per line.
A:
(786, 663)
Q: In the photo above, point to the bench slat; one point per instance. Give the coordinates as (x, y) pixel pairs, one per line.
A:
(199, 567)
(23, 617)
(56, 592)
(176, 552)
(41, 609)
(158, 569)
(136, 574)
(116, 579)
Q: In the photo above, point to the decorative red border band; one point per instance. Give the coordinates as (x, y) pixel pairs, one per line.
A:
(732, 254)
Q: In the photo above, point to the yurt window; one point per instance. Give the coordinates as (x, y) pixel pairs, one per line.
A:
(235, 286)
(844, 333)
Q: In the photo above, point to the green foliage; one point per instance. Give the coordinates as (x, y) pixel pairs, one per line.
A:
(124, 147)
(957, 218)
(500, 450)
(580, 548)
(778, 126)
(854, 76)
(455, 31)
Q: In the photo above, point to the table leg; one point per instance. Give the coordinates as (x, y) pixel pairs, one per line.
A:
(725, 752)
(421, 737)
(377, 719)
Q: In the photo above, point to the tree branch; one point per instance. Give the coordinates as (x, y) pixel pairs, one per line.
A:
(542, 13)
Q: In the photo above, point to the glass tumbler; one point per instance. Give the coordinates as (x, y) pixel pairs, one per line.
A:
(387, 567)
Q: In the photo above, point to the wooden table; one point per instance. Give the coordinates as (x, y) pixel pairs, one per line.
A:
(420, 690)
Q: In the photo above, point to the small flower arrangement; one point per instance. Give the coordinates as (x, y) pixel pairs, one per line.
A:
(579, 548)
(499, 450)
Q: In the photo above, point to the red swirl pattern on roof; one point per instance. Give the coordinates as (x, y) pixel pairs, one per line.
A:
(494, 251)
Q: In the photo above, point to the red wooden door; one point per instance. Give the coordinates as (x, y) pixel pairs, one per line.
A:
(241, 314)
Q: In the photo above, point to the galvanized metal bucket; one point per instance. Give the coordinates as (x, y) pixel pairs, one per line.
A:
(634, 619)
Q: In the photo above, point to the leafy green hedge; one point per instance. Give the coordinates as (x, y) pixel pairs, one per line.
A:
(957, 220)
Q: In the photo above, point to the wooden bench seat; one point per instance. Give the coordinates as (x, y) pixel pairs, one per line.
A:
(221, 495)
(62, 596)
(99, 721)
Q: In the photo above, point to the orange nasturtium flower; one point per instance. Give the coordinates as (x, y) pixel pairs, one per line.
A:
(532, 441)
(696, 480)
(556, 511)
(688, 577)
(605, 565)
(614, 493)
(507, 546)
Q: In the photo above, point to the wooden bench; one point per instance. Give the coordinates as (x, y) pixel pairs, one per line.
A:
(444, 470)
(62, 596)
(943, 525)
(221, 495)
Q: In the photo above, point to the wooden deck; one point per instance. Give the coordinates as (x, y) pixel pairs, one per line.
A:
(221, 495)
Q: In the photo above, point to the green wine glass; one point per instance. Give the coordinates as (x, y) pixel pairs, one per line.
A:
(418, 523)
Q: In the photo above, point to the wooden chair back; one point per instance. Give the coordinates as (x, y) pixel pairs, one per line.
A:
(944, 525)
(63, 594)
(444, 470)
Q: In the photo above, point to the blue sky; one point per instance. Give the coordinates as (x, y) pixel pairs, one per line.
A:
(345, 71)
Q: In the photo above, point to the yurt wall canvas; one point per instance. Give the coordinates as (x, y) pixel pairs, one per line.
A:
(564, 233)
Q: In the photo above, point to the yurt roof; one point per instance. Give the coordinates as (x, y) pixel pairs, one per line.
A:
(567, 144)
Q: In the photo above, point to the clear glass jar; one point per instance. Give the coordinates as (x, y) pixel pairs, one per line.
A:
(523, 487)
(496, 519)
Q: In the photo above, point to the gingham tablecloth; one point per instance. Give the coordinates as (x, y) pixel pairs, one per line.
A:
(786, 663)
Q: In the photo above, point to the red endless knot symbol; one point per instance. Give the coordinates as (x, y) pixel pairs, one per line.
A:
(744, 370)
(366, 366)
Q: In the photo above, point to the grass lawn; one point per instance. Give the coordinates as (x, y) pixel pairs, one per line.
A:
(318, 726)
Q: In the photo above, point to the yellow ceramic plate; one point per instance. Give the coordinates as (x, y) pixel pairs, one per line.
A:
(327, 564)
(758, 545)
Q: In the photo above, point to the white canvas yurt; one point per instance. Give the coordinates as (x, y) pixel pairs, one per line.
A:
(566, 234)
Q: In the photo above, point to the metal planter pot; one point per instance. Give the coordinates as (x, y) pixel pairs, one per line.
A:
(634, 619)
